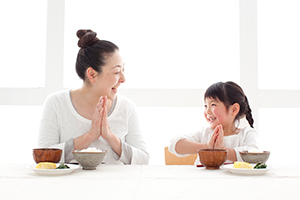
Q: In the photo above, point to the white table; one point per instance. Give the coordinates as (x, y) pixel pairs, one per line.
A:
(149, 182)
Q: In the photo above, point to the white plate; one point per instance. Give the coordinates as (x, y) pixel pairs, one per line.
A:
(247, 171)
(54, 171)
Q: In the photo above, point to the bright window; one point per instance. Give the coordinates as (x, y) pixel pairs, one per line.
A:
(165, 44)
(278, 44)
(23, 43)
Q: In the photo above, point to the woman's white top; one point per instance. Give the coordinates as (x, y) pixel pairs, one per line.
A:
(61, 123)
(246, 139)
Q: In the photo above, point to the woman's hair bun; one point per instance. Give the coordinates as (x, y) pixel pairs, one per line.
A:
(86, 37)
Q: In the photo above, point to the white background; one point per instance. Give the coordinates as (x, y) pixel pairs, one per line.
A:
(173, 51)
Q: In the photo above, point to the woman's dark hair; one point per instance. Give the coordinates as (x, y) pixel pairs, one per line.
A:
(92, 53)
(230, 93)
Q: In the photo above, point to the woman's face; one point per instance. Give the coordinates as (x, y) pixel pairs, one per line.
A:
(111, 77)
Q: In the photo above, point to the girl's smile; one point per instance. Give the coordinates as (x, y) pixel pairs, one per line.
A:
(215, 113)
(211, 119)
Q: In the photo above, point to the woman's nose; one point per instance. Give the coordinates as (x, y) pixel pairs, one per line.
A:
(122, 78)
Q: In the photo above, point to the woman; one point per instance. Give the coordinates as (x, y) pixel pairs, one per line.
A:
(94, 115)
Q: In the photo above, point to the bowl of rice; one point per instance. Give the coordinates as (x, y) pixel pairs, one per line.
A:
(255, 156)
(89, 158)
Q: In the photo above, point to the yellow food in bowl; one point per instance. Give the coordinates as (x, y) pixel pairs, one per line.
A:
(45, 165)
(242, 165)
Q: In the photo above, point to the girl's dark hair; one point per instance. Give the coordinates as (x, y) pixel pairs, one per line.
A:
(230, 93)
(92, 52)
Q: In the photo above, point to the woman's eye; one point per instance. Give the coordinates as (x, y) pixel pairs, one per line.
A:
(213, 104)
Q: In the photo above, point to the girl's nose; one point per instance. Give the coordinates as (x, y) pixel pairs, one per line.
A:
(207, 111)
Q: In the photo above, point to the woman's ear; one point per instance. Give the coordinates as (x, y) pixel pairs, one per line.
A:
(235, 108)
(91, 74)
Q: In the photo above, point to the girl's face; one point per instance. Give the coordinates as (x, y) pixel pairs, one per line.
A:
(216, 113)
(111, 77)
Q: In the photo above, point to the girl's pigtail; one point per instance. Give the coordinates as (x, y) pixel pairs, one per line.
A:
(248, 113)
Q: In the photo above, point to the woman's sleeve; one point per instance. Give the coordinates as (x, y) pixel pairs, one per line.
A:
(134, 149)
(49, 132)
(195, 137)
(249, 141)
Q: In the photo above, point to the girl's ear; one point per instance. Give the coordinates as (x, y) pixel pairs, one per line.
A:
(235, 108)
(91, 74)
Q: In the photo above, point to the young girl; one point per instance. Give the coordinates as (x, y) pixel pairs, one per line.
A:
(225, 104)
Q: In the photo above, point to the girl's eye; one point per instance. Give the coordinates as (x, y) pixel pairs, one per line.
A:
(205, 106)
(213, 104)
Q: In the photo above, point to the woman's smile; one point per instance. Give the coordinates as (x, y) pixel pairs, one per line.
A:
(112, 76)
(114, 90)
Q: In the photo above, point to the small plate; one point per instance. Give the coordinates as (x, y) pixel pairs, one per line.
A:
(54, 171)
(247, 171)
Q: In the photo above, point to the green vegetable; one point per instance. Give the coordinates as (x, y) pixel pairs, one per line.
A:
(62, 166)
(260, 165)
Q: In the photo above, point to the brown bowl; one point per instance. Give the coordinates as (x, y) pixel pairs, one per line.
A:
(212, 158)
(255, 157)
(47, 155)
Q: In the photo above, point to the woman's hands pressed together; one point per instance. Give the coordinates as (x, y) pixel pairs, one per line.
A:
(105, 131)
(99, 127)
(95, 130)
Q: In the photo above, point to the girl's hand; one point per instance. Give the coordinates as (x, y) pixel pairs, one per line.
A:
(219, 143)
(211, 142)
